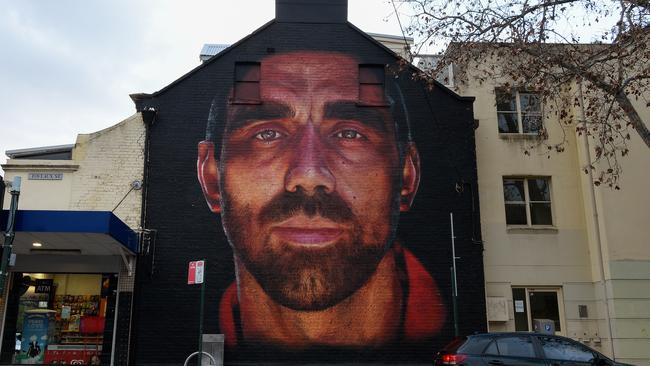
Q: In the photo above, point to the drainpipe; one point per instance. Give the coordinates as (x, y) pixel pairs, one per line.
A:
(592, 193)
(9, 233)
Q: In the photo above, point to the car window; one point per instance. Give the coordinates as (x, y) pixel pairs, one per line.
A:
(492, 349)
(474, 345)
(561, 349)
(515, 347)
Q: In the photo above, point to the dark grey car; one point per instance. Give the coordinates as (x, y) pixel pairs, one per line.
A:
(521, 349)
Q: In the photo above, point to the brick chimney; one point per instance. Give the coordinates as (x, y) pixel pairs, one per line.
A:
(311, 11)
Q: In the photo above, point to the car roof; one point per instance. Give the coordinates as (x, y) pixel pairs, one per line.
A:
(502, 334)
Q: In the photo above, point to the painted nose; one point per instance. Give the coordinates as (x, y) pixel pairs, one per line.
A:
(308, 170)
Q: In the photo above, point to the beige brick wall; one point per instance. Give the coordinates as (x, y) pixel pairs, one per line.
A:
(110, 161)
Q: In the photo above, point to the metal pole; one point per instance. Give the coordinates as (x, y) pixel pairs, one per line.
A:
(9, 233)
(454, 284)
(201, 316)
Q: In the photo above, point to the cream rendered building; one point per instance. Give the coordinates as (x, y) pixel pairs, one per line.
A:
(99, 171)
(83, 202)
(546, 260)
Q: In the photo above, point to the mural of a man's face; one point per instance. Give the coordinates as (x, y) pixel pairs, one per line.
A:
(309, 183)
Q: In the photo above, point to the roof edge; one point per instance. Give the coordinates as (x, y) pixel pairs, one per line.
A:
(410, 65)
(12, 154)
(137, 98)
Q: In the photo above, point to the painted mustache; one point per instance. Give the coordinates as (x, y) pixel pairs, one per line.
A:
(328, 205)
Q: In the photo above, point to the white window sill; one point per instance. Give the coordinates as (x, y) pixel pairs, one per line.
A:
(519, 136)
(541, 229)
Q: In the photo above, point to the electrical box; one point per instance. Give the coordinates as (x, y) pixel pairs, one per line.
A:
(213, 344)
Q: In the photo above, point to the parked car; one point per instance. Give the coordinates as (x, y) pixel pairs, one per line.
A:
(521, 349)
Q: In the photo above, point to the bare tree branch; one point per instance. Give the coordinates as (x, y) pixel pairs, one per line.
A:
(538, 44)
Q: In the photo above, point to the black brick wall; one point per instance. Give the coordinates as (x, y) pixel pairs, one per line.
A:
(123, 328)
(166, 314)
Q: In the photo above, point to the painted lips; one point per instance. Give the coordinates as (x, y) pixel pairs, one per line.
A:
(302, 230)
(308, 236)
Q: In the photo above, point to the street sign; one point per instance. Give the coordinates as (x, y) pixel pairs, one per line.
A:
(195, 272)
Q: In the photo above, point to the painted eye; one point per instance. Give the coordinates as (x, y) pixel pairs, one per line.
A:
(268, 135)
(349, 135)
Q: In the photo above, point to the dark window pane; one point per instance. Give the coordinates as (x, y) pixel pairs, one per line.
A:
(371, 93)
(513, 190)
(539, 190)
(506, 101)
(540, 214)
(492, 349)
(507, 122)
(531, 123)
(559, 349)
(529, 102)
(371, 74)
(516, 214)
(247, 71)
(544, 305)
(521, 317)
(247, 91)
(516, 347)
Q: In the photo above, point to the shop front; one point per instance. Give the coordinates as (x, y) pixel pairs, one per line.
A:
(60, 303)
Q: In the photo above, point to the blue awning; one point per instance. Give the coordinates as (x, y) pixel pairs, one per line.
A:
(89, 232)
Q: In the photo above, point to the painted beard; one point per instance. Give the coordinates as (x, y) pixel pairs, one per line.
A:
(304, 277)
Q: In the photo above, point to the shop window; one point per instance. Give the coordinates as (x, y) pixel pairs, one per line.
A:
(527, 201)
(518, 112)
(371, 84)
(60, 318)
(247, 82)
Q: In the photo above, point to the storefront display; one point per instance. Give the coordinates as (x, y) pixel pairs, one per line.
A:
(61, 318)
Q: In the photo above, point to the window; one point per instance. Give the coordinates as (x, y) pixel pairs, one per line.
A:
(518, 112)
(247, 82)
(512, 346)
(371, 84)
(560, 349)
(527, 201)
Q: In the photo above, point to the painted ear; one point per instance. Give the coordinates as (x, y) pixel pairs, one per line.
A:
(410, 177)
(208, 173)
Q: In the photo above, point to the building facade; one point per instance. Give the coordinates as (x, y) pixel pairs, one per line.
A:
(556, 246)
(70, 288)
(303, 126)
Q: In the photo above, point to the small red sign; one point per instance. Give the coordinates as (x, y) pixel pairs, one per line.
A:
(195, 272)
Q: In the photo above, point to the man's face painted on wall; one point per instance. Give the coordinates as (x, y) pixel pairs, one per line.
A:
(310, 182)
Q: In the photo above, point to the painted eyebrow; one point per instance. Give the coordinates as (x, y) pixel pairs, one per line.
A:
(240, 115)
(373, 117)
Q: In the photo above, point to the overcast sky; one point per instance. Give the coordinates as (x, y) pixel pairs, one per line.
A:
(68, 67)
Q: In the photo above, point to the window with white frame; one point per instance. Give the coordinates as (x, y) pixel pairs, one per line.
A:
(518, 111)
(527, 201)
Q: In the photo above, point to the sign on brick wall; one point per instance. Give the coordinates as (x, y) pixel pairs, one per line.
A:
(195, 272)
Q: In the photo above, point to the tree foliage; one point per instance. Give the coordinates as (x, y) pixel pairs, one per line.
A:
(577, 53)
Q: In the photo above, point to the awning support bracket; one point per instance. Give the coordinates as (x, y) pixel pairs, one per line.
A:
(127, 258)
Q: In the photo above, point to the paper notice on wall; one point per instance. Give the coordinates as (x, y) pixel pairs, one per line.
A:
(519, 306)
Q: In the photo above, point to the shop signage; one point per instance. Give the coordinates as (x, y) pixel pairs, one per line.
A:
(43, 286)
(195, 272)
(45, 176)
